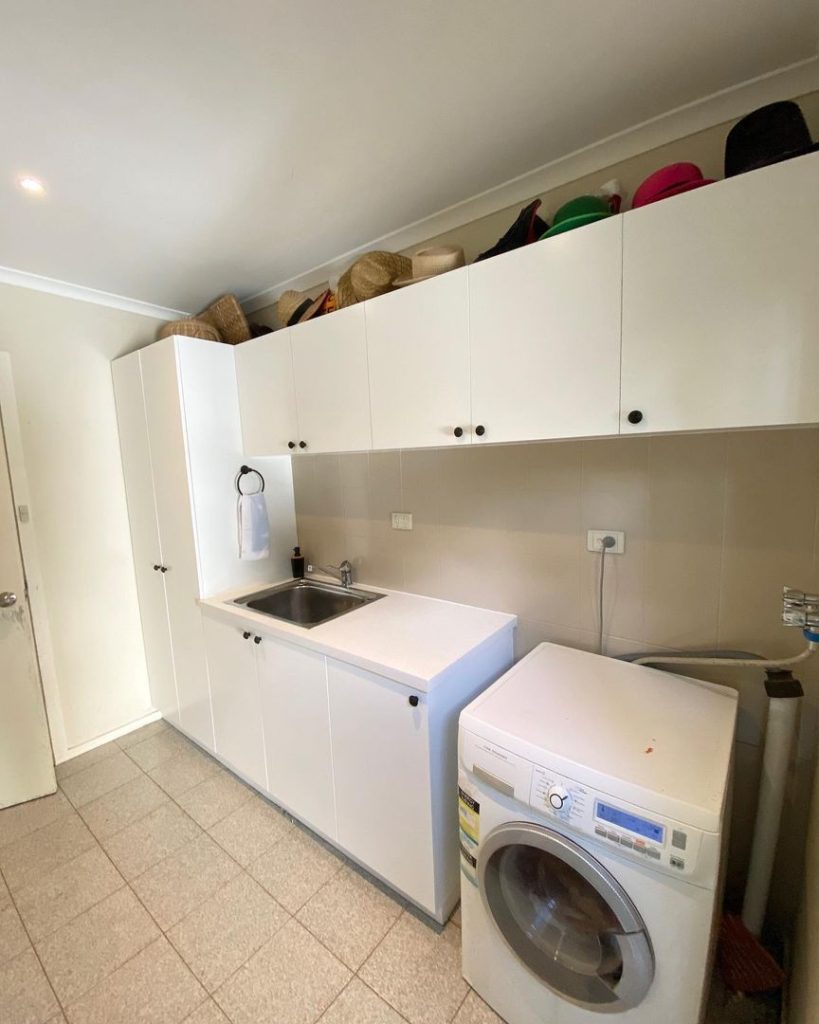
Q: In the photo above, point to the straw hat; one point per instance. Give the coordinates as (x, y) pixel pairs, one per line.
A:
(374, 273)
(430, 262)
(189, 328)
(295, 307)
(227, 316)
(345, 293)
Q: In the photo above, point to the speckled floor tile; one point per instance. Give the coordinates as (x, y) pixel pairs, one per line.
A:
(125, 805)
(178, 884)
(250, 830)
(296, 868)
(181, 773)
(475, 1011)
(358, 1004)
(23, 819)
(33, 856)
(418, 971)
(13, 938)
(86, 950)
(100, 778)
(25, 994)
(154, 987)
(226, 929)
(158, 748)
(292, 978)
(139, 846)
(350, 916)
(130, 739)
(67, 891)
(207, 1013)
(215, 798)
(75, 765)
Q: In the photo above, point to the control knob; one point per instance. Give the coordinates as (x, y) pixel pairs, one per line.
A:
(558, 797)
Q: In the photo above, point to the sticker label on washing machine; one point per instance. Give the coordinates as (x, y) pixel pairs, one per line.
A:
(469, 820)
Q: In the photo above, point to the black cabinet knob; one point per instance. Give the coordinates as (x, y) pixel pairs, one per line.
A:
(413, 701)
(163, 568)
(480, 430)
(635, 416)
(257, 639)
(245, 635)
(302, 444)
(156, 568)
(458, 431)
(291, 444)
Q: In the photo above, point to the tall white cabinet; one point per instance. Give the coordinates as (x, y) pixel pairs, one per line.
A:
(180, 437)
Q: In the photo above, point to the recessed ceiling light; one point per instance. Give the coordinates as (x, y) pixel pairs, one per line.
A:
(33, 186)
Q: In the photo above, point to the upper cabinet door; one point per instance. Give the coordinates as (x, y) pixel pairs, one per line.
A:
(544, 330)
(721, 304)
(332, 390)
(267, 396)
(418, 347)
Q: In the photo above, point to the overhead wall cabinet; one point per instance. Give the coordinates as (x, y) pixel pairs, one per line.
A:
(267, 395)
(704, 304)
(180, 437)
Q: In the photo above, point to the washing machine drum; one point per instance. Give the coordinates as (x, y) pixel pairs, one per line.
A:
(565, 917)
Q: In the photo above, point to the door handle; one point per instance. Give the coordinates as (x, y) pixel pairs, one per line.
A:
(7, 599)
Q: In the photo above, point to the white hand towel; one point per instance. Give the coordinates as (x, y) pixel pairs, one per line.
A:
(254, 530)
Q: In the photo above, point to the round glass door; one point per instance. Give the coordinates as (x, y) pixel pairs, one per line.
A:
(565, 917)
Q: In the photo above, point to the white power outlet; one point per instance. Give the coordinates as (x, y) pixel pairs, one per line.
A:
(594, 541)
(402, 520)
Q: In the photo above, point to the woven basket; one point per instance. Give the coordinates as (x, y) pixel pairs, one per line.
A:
(227, 316)
(190, 328)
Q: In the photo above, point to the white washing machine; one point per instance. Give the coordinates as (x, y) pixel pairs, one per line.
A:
(593, 796)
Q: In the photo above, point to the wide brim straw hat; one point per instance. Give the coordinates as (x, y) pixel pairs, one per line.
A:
(373, 273)
(345, 293)
(227, 316)
(426, 263)
(190, 327)
(295, 307)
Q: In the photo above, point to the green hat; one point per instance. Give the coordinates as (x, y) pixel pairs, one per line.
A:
(577, 212)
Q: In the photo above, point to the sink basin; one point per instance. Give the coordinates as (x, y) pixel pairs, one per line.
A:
(307, 603)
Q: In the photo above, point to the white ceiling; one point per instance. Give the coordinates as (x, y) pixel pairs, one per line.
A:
(195, 147)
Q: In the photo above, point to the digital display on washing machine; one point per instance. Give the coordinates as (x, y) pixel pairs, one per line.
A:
(622, 819)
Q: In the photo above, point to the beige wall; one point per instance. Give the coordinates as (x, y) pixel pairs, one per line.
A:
(61, 351)
(715, 525)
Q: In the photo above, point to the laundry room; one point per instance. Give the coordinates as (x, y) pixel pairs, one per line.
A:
(409, 513)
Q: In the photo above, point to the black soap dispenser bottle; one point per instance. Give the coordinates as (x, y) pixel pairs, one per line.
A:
(297, 562)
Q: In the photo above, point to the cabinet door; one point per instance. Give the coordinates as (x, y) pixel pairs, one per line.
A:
(418, 351)
(544, 333)
(721, 304)
(174, 516)
(332, 390)
(139, 490)
(267, 397)
(234, 686)
(382, 777)
(293, 685)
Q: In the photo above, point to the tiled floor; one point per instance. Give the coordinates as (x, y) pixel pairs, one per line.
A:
(155, 887)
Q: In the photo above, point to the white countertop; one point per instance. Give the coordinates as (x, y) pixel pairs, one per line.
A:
(409, 638)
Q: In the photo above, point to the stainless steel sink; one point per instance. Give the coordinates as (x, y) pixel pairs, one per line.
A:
(307, 603)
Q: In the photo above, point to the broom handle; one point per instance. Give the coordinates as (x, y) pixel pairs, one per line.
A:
(779, 732)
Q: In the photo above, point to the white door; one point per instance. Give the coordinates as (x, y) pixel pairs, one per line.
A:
(234, 684)
(332, 390)
(721, 305)
(293, 684)
(544, 332)
(174, 515)
(148, 562)
(26, 760)
(418, 350)
(381, 769)
(267, 396)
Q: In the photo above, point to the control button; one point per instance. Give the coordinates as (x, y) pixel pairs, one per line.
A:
(677, 862)
(559, 798)
(678, 839)
(614, 837)
(625, 841)
(639, 849)
(600, 832)
(654, 854)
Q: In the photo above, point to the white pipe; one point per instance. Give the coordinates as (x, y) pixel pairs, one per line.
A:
(812, 647)
(782, 717)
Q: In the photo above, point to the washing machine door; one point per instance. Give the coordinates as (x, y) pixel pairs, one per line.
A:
(565, 917)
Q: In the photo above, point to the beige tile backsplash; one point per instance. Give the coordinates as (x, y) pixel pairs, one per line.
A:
(715, 525)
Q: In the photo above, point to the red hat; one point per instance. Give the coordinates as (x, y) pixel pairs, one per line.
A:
(669, 181)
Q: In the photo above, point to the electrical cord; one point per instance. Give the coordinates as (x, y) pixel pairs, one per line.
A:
(605, 543)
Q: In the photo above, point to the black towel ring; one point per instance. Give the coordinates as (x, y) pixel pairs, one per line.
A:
(243, 472)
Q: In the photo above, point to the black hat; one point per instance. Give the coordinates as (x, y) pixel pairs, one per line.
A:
(766, 136)
(527, 228)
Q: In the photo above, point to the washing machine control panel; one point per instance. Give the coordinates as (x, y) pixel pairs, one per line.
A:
(659, 842)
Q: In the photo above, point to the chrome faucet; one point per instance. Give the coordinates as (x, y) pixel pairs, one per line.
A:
(343, 572)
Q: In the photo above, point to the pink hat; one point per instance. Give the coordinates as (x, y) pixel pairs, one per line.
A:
(669, 181)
